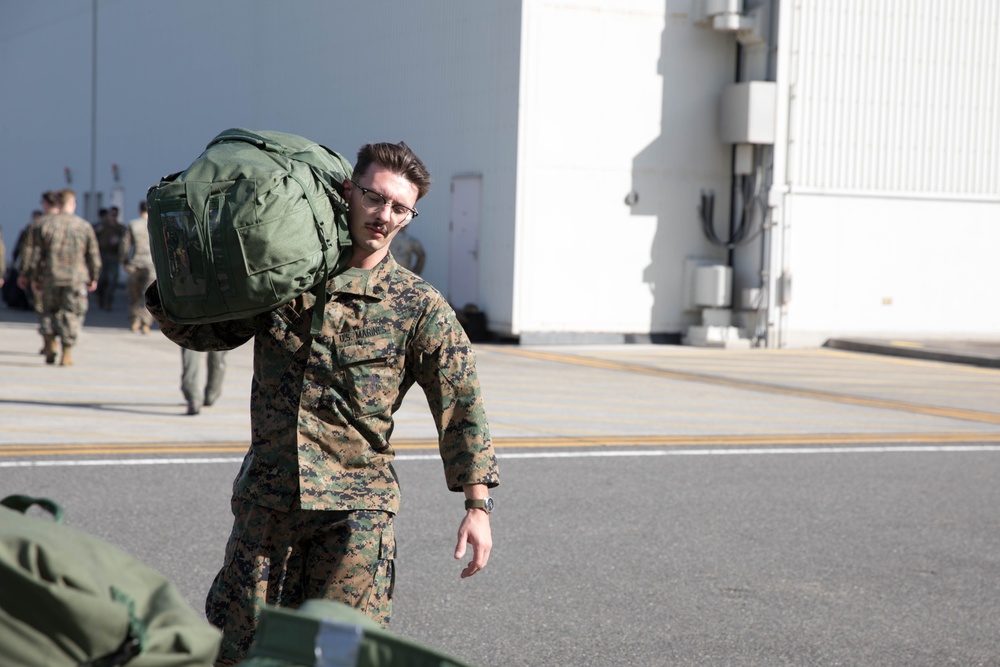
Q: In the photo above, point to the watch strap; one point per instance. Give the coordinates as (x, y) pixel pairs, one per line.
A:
(479, 504)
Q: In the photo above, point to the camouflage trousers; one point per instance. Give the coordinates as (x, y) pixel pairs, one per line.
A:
(61, 313)
(285, 558)
(139, 279)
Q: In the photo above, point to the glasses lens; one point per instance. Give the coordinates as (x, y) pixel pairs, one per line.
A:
(399, 212)
(373, 200)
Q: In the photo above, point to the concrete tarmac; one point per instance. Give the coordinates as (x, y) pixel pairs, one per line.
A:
(123, 394)
(659, 504)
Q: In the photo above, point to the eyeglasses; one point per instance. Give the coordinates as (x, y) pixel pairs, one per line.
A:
(374, 201)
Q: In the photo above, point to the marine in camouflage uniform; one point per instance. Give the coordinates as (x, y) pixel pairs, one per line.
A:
(65, 264)
(138, 263)
(316, 494)
(28, 242)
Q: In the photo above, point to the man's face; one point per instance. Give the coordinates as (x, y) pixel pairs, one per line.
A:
(373, 228)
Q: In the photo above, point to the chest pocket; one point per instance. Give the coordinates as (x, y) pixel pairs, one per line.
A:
(371, 373)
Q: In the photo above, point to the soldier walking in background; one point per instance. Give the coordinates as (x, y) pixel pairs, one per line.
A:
(109, 232)
(27, 249)
(64, 265)
(138, 263)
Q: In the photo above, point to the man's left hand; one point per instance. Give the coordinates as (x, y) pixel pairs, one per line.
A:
(474, 530)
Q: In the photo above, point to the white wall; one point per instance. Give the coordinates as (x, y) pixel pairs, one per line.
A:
(616, 97)
(893, 178)
(876, 266)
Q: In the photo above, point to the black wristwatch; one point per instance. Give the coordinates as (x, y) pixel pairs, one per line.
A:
(479, 504)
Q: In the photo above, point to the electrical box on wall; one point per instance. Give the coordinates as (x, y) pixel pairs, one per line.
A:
(747, 113)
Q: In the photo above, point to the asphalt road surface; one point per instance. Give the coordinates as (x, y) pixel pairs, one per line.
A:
(607, 556)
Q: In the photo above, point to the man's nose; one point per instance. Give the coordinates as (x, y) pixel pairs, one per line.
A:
(385, 212)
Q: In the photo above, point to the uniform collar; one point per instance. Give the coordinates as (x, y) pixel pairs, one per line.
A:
(366, 282)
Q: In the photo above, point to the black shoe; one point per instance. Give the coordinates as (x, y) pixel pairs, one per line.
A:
(193, 408)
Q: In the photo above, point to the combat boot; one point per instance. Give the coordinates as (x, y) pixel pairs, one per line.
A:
(67, 356)
(49, 349)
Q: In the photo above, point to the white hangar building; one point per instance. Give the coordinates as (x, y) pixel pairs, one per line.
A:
(731, 172)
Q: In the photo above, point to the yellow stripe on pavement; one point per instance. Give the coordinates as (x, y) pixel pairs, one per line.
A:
(106, 449)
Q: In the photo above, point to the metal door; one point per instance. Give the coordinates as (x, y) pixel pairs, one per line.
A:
(463, 274)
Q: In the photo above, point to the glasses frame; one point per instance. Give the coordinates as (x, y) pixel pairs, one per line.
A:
(385, 202)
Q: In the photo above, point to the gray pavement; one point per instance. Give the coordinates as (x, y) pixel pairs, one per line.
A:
(124, 391)
(659, 504)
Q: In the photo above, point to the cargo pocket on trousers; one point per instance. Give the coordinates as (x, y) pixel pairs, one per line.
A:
(379, 606)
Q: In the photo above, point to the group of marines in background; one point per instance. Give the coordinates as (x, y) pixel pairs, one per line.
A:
(60, 258)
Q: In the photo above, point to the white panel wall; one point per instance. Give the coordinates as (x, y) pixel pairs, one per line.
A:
(893, 168)
(616, 97)
(897, 96)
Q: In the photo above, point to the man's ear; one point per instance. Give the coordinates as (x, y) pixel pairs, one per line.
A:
(348, 187)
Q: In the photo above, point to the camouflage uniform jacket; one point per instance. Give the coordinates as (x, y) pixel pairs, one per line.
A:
(135, 250)
(321, 407)
(64, 252)
(27, 243)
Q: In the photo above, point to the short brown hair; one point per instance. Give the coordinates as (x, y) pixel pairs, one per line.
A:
(397, 158)
(65, 195)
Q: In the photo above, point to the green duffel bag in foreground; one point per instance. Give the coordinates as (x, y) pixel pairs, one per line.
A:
(255, 221)
(69, 599)
(323, 633)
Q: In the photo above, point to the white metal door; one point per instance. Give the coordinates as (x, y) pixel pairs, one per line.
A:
(463, 274)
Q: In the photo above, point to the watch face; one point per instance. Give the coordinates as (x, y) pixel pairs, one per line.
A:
(489, 505)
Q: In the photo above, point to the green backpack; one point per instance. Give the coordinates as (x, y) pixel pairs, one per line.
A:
(255, 221)
(69, 599)
(323, 633)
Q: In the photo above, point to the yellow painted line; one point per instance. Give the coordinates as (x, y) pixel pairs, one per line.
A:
(125, 448)
(905, 343)
(553, 442)
(686, 376)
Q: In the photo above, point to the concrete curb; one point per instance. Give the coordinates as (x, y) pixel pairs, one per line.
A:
(924, 351)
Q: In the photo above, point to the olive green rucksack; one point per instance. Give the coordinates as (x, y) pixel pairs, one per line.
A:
(69, 599)
(323, 633)
(255, 221)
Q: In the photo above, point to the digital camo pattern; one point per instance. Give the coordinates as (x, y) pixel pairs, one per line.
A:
(135, 250)
(321, 408)
(286, 558)
(61, 312)
(29, 250)
(64, 252)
